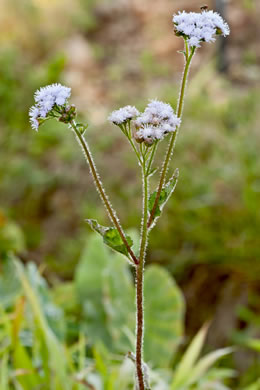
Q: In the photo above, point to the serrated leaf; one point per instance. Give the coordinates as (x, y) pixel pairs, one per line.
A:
(166, 192)
(111, 237)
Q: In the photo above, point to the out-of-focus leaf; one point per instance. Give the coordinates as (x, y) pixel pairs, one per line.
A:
(164, 312)
(254, 344)
(188, 360)
(53, 313)
(89, 287)
(106, 293)
(111, 237)
(119, 303)
(253, 386)
(55, 357)
(4, 372)
(205, 363)
(22, 362)
(105, 289)
(10, 286)
(11, 236)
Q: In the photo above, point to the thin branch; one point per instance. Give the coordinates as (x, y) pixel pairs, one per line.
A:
(103, 195)
(188, 58)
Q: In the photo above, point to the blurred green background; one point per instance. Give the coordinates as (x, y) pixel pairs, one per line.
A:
(113, 53)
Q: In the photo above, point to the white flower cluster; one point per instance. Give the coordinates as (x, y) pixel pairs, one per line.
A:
(46, 98)
(199, 27)
(118, 117)
(155, 122)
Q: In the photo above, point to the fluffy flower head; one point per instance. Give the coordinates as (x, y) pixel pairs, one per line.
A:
(46, 99)
(124, 114)
(157, 120)
(199, 27)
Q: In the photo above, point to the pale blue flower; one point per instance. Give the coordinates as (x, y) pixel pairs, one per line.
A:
(123, 115)
(200, 27)
(46, 99)
(157, 120)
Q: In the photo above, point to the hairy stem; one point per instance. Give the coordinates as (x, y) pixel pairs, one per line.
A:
(188, 58)
(139, 283)
(103, 195)
(148, 171)
(129, 137)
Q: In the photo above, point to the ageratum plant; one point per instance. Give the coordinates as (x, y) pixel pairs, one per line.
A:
(144, 131)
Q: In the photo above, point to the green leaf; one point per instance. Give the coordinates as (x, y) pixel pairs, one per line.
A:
(166, 192)
(188, 361)
(111, 237)
(254, 386)
(106, 292)
(164, 313)
(55, 356)
(4, 372)
(254, 344)
(205, 363)
(10, 286)
(105, 288)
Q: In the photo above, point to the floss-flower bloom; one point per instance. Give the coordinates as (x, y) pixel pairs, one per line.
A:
(46, 99)
(124, 114)
(155, 122)
(199, 27)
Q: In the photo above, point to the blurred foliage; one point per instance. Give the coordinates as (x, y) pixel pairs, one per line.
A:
(35, 350)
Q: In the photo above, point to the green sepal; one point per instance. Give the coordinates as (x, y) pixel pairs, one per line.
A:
(111, 237)
(166, 192)
(81, 128)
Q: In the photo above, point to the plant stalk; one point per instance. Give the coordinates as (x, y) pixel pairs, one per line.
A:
(188, 58)
(140, 284)
(103, 195)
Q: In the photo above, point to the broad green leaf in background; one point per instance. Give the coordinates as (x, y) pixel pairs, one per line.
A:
(164, 312)
(105, 290)
(89, 288)
(111, 237)
(119, 303)
(165, 195)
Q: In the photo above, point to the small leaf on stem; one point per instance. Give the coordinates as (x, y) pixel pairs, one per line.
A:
(165, 194)
(111, 237)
